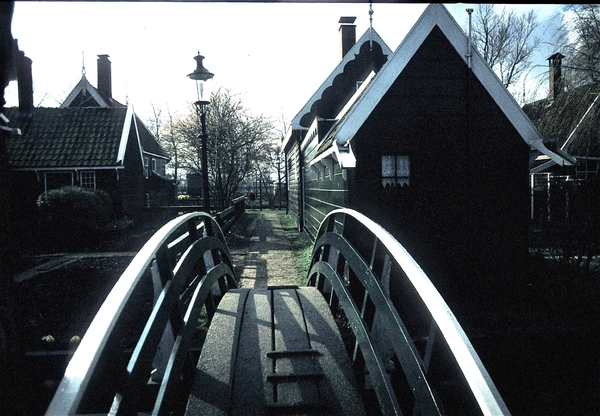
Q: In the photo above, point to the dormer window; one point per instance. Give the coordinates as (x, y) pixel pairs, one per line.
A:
(395, 170)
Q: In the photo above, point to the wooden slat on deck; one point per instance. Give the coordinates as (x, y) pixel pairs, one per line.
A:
(269, 350)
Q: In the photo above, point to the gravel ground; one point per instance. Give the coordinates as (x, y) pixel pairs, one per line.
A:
(268, 259)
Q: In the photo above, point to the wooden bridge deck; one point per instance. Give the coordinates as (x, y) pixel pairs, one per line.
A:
(275, 349)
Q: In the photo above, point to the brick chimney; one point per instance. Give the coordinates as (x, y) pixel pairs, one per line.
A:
(24, 81)
(555, 75)
(104, 77)
(347, 34)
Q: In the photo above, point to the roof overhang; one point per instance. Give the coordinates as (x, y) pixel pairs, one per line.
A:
(343, 155)
(66, 168)
(125, 134)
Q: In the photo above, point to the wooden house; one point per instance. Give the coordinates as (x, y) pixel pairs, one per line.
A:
(358, 61)
(91, 140)
(570, 123)
(435, 149)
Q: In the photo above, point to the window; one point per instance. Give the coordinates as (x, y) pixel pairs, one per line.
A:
(146, 166)
(586, 169)
(153, 165)
(395, 171)
(88, 179)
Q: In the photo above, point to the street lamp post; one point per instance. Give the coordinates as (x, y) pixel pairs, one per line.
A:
(201, 75)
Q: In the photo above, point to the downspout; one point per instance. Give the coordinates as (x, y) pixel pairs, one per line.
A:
(301, 183)
(371, 26)
(287, 187)
(469, 173)
(470, 42)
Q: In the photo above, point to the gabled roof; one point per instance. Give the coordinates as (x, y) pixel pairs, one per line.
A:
(66, 137)
(86, 95)
(149, 143)
(571, 121)
(437, 15)
(327, 91)
(87, 137)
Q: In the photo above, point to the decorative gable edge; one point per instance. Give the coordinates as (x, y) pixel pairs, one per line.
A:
(84, 84)
(341, 152)
(438, 15)
(369, 35)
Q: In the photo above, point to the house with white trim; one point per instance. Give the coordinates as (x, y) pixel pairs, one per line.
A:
(434, 148)
(91, 140)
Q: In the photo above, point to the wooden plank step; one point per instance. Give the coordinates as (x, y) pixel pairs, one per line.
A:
(270, 350)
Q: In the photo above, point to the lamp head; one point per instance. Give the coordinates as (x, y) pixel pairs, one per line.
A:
(201, 75)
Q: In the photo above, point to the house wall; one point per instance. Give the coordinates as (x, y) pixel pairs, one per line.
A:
(324, 187)
(132, 181)
(294, 181)
(464, 215)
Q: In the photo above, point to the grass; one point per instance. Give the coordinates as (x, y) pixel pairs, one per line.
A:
(236, 237)
(301, 244)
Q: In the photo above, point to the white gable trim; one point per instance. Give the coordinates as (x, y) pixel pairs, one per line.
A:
(125, 135)
(355, 50)
(137, 136)
(437, 14)
(84, 84)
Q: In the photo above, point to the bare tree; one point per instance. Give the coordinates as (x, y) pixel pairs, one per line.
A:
(164, 129)
(277, 161)
(505, 39)
(580, 43)
(237, 144)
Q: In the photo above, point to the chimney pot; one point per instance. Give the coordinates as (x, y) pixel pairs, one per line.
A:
(347, 34)
(555, 75)
(24, 81)
(104, 77)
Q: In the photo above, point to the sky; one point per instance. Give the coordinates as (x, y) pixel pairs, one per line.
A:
(272, 55)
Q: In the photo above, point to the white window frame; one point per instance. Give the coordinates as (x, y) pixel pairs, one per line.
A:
(87, 179)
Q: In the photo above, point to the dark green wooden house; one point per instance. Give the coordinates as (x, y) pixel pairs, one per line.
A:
(434, 148)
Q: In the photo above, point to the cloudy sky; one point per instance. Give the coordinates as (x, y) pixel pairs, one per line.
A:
(274, 55)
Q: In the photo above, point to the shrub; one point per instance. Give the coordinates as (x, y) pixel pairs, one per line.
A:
(71, 216)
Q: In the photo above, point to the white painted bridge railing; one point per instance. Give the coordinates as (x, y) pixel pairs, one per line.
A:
(405, 341)
(189, 264)
(405, 344)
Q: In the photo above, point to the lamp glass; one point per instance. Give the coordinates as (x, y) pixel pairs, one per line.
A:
(203, 78)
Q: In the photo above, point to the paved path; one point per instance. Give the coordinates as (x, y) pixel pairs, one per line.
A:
(269, 260)
(56, 261)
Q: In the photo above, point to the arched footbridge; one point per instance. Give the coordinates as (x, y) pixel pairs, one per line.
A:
(368, 334)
